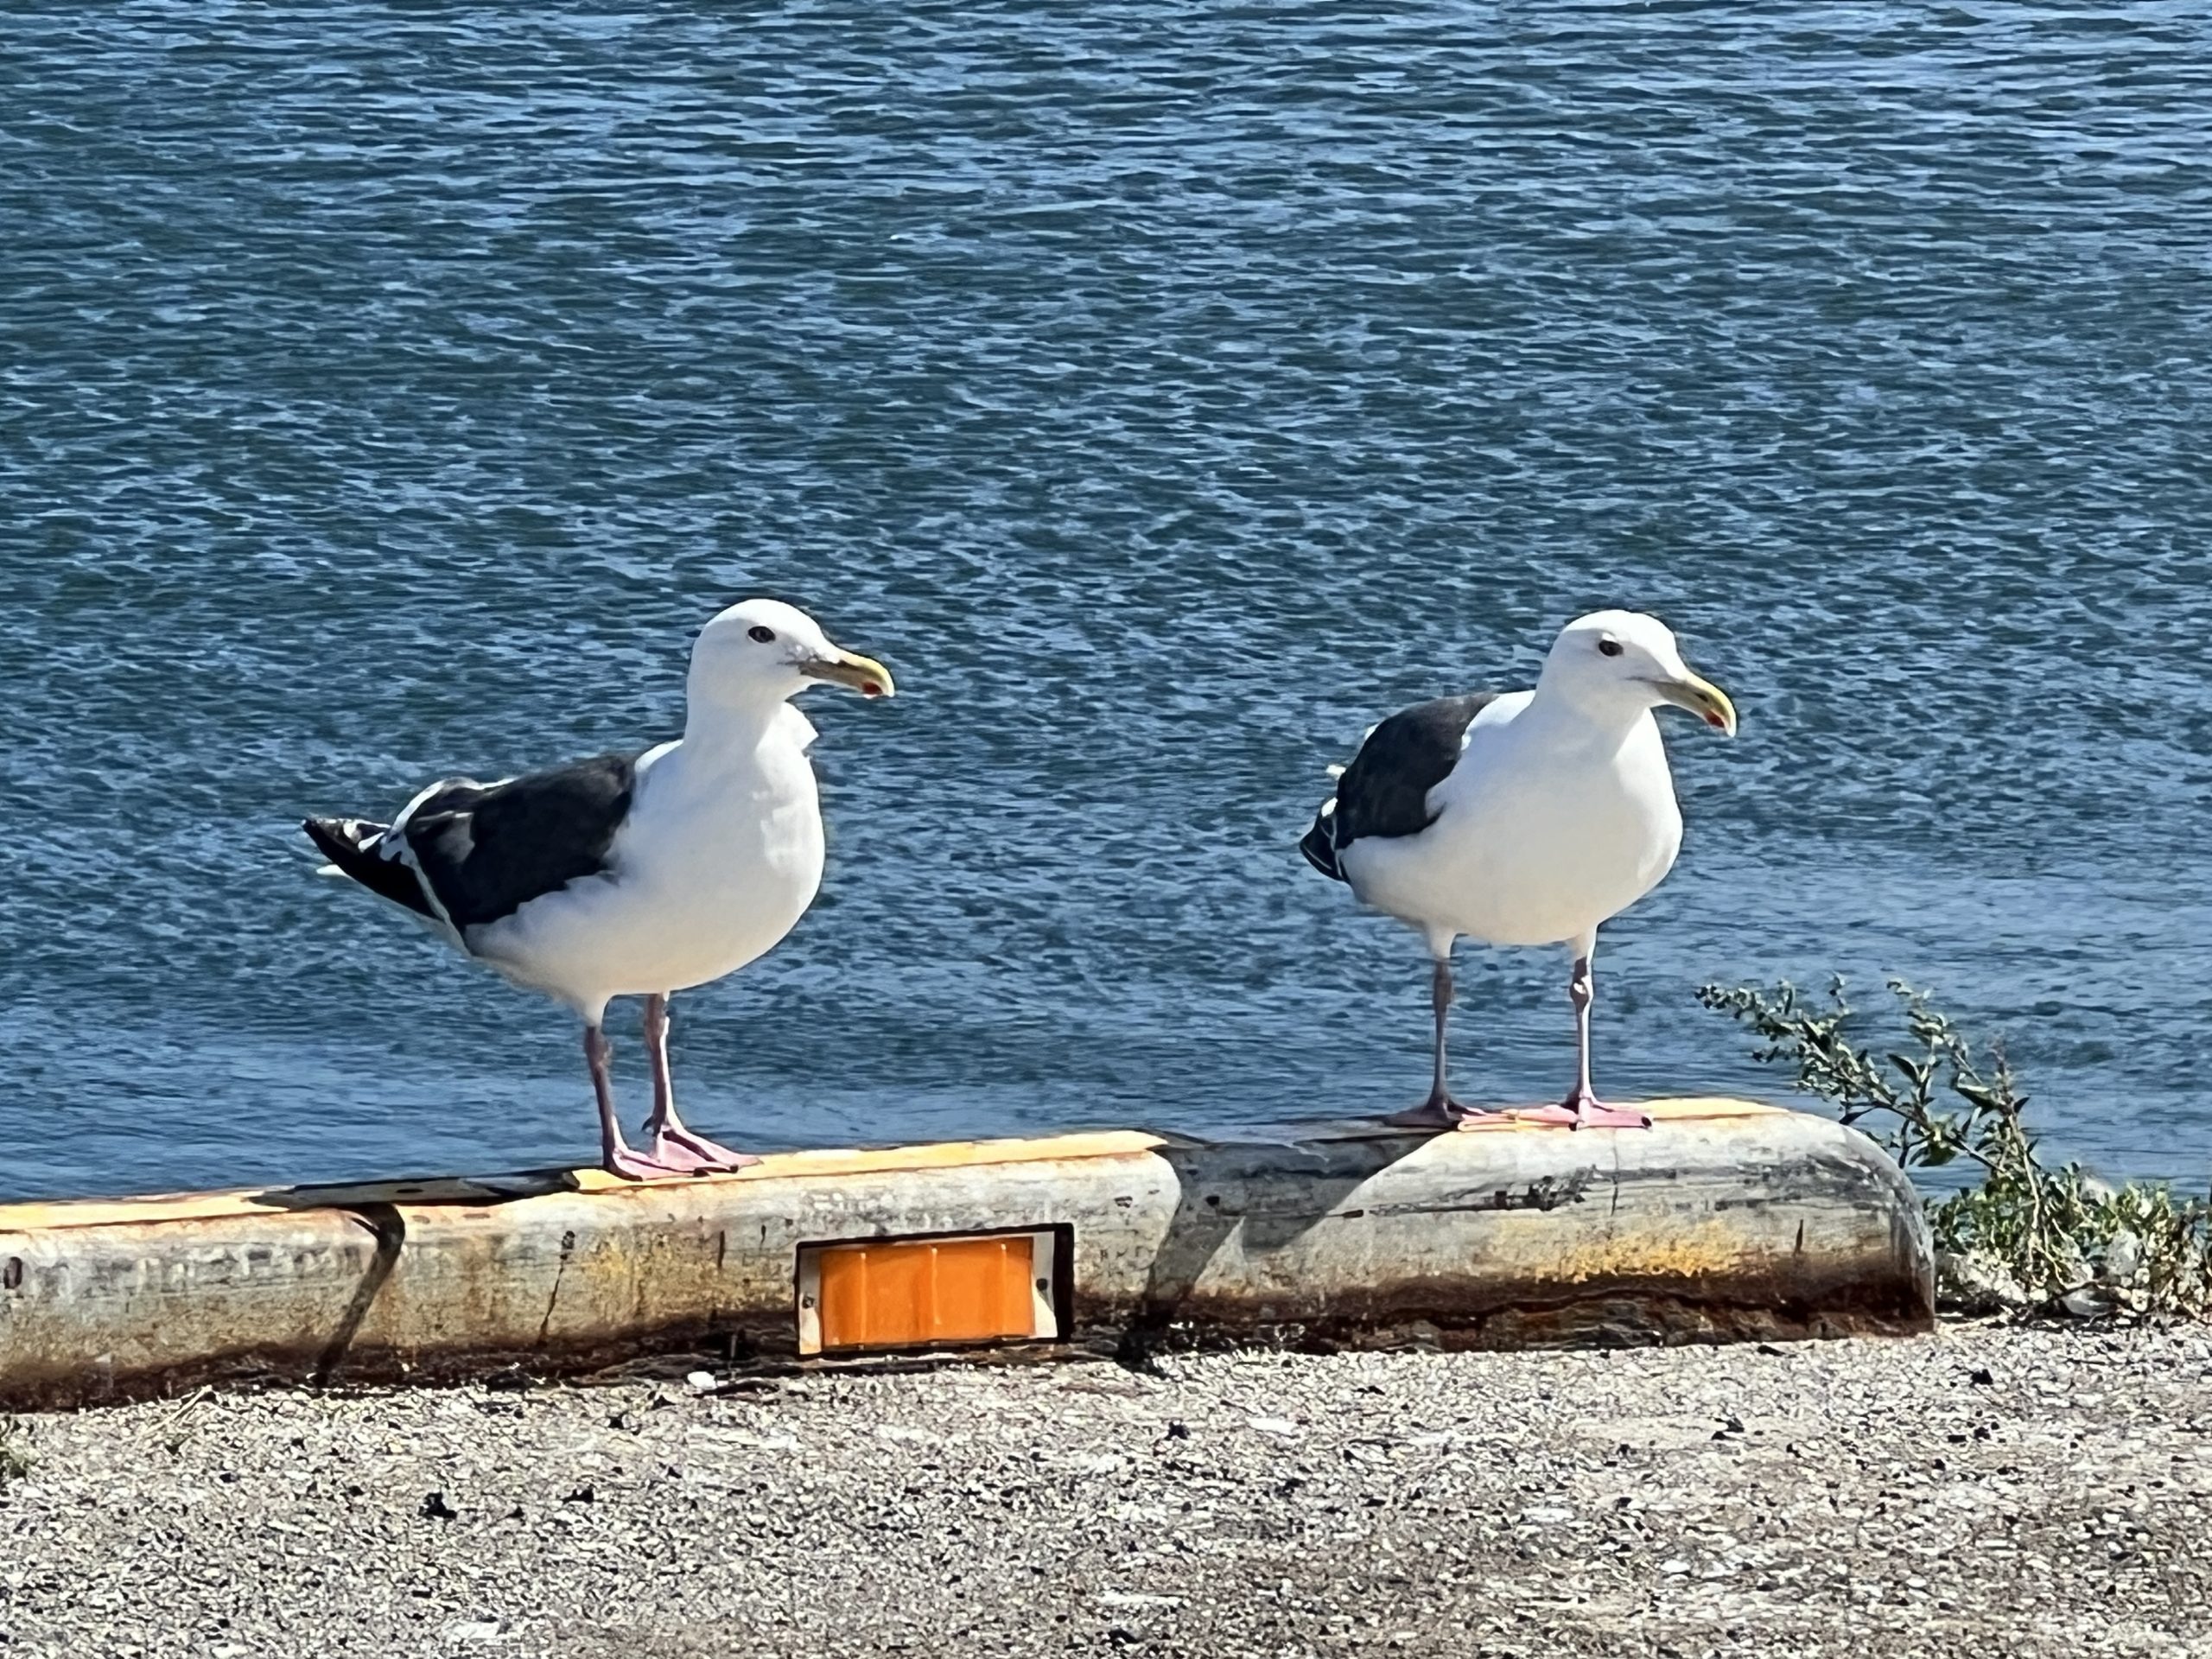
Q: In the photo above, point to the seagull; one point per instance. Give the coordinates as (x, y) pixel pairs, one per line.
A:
(633, 874)
(1525, 819)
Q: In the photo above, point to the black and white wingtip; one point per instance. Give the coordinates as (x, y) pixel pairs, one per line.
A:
(355, 847)
(1319, 843)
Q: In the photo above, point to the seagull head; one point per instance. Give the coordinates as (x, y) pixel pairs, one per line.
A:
(1625, 661)
(763, 650)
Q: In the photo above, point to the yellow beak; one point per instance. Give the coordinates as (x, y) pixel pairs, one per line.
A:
(864, 674)
(1702, 698)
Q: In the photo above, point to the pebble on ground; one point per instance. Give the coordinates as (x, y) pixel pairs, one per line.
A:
(1986, 1491)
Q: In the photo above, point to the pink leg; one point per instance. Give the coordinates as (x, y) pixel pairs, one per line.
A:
(1582, 1109)
(1439, 1111)
(614, 1153)
(673, 1144)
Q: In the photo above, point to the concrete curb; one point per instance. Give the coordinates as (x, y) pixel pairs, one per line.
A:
(1728, 1221)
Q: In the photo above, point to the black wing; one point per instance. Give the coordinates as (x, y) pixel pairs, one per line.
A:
(484, 850)
(1384, 791)
(487, 850)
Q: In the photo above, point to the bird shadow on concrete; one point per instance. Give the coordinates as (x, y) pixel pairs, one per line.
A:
(475, 1190)
(375, 1205)
(1268, 1186)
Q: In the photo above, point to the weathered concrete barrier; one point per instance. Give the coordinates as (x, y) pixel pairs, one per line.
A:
(1727, 1221)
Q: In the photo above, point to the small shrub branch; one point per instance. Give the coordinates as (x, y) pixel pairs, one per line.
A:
(2021, 1233)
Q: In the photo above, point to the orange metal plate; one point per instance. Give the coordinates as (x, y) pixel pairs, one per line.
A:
(899, 1294)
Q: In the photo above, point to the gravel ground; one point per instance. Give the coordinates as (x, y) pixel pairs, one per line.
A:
(1985, 1491)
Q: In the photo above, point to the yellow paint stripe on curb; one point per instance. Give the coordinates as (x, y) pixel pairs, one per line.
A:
(1697, 1106)
(815, 1164)
(1688, 1108)
(875, 1160)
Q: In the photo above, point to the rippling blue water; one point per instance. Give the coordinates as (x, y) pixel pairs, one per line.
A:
(1166, 390)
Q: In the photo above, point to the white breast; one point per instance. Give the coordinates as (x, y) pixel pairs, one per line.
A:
(1535, 843)
(720, 856)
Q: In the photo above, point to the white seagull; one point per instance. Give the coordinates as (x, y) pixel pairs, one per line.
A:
(1526, 819)
(633, 874)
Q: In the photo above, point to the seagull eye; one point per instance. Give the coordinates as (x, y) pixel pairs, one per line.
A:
(1609, 647)
(760, 635)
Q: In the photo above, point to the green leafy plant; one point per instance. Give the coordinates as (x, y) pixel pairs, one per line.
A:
(2011, 1230)
(15, 1462)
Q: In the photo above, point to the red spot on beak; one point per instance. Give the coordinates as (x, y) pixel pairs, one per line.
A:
(870, 689)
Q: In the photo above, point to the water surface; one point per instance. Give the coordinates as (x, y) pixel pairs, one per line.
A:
(1167, 392)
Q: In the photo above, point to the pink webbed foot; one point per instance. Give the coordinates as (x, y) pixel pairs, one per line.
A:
(1587, 1112)
(697, 1155)
(641, 1166)
(1442, 1112)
